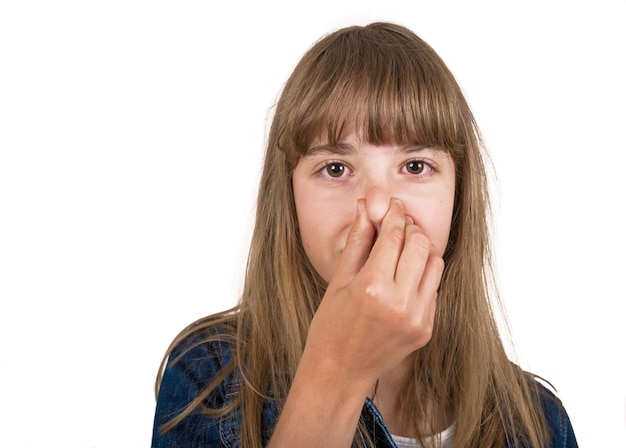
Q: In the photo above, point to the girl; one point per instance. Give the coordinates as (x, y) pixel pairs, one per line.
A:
(365, 318)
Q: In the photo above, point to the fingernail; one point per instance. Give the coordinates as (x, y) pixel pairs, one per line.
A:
(409, 219)
(397, 201)
(359, 206)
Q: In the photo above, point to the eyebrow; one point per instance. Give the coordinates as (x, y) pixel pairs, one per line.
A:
(340, 149)
(346, 149)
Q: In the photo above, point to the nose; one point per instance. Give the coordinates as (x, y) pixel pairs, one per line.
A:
(377, 196)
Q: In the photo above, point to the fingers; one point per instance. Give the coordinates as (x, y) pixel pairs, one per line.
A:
(358, 245)
(414, 257)
(403, 252)
(431, 278)
(390, 242)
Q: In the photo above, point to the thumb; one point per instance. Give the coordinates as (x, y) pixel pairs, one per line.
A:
(358, 246)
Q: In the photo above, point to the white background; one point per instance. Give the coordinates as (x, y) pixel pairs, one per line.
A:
(131, 136)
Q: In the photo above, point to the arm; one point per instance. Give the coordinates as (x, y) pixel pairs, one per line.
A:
(378, 308)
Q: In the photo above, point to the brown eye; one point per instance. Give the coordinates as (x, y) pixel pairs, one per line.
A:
(335, 169)
(415, 167)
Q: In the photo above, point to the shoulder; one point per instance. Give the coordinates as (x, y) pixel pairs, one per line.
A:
(198, 376)
(200, 354)
(196, 360)
(561, 431)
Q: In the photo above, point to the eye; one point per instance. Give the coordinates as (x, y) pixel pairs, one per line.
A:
(415, 166)
(335, 169)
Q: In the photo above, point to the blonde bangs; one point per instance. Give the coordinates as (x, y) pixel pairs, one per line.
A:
(378, 85)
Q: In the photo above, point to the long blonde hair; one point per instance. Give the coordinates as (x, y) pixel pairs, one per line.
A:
(394, 87)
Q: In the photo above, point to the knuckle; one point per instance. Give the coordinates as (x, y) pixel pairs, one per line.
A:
(419, 238)
(423, 338)
(423, 326)
(395, 234)
(398, 310)
(438, 264)
(373, 291)
(357, 239)
(353, 238)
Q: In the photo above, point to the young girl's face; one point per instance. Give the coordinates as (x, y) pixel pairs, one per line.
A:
(328, 181)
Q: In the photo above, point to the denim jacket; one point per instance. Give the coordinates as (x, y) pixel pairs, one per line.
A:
(184, 380)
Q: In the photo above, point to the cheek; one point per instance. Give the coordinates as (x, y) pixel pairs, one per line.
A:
(441, 228)
(316, 243)
(435, 219)
(323, 231)
(319, 225)
(311, 225)
(307, 224)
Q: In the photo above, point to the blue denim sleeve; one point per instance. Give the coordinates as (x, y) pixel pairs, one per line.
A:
(562, 432)
(183, 380)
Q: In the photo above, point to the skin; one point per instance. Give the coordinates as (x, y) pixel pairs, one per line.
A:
(374, 222)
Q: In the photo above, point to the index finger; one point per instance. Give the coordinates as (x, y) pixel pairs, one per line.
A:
(390, 242)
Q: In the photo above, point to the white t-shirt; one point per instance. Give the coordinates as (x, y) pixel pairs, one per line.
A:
(444, 439)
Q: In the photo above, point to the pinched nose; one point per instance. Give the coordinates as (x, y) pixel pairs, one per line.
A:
(377, 205)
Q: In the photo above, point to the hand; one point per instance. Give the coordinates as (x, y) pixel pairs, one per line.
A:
(380, 305)
(378, 308)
